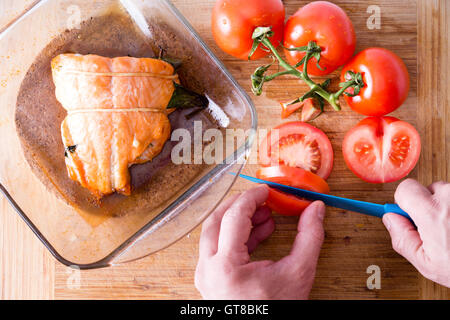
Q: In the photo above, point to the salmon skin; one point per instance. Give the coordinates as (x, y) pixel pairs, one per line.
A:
(116, 116)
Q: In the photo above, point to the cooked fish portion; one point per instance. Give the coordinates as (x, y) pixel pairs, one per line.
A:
(116, 117)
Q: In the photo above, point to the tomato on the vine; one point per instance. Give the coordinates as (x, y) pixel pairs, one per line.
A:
(233, 23)
(326, 24)
(386, 82)
(381, 149)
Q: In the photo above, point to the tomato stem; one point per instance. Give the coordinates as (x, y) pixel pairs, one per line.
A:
(261, 36)
(315, 88)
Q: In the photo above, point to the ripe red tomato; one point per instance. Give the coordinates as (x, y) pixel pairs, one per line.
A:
(284, 203)
(381, 149)
(327, 25)
(297, 144)
(386, 82)
(233, 23)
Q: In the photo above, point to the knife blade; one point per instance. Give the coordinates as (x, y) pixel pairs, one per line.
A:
(368, 208)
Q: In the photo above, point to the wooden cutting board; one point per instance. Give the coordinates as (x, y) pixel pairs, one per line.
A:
(418, 31)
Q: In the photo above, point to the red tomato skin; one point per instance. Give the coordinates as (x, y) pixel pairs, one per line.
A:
(286, 204)
(294, 177)
(386, 82)
(378, 125)
(330, 27)
(233, 23)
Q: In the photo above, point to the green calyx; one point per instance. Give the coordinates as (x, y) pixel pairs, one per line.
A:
(355, 81)
(258, 78)
(258, 35)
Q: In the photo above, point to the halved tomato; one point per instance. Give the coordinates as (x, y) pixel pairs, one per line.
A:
(381, 149)
(284, 203)
(299, 145)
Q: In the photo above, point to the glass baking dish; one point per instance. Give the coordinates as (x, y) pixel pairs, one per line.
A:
(28, 177)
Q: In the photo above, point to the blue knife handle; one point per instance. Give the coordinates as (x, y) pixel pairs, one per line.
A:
(394, 208)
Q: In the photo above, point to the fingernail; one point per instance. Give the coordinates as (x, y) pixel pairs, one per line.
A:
(264, 186)
(320, 206)
(387, 222)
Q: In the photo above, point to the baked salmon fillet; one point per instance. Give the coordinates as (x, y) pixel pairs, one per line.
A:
(116, 116)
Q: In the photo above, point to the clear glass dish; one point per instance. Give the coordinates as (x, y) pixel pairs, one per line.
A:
(75, 236)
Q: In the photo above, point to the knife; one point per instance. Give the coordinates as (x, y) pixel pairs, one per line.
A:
(368, 208)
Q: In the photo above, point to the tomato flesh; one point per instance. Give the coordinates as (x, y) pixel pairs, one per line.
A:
(233, 23)
(289, 108)
(284, 203)
(308, 110)
(386, 82)
(326, 24)
(298, 144)
(381, 149)
(294, 177)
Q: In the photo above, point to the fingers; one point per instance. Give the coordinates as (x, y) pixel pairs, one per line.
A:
(436, 186)
(260, 233)
(416, 200)
(211, 228)
(262, 214)
(236, 224)
(405, 238)
(306, 249)
(441, 191)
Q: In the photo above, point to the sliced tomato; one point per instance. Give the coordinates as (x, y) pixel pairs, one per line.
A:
(289, 108)
(299, 145)
(294, 177)
(309, 110)
(284, 203)
(381, 149)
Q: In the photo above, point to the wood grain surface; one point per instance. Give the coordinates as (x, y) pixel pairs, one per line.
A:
(418, 31)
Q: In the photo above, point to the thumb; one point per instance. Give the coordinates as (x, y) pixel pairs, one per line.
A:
(405, 238)
(306, 249)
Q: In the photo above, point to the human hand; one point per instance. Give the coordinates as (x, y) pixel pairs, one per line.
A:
(234, 229)
(428, 247)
